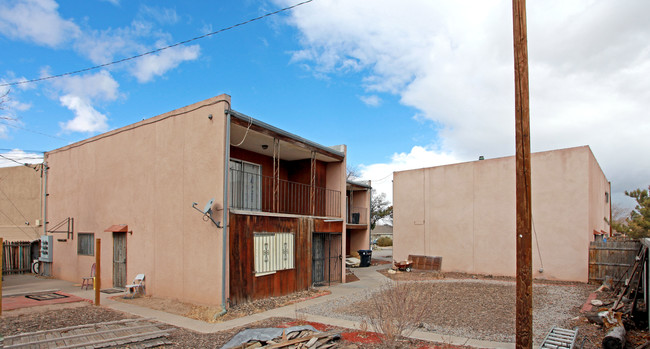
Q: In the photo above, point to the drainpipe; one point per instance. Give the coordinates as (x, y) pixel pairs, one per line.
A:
(226, 224)
(44, 198)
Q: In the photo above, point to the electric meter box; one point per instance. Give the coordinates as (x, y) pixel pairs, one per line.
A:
(47, 244)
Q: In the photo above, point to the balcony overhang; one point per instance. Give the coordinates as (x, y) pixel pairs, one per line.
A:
(256, 134)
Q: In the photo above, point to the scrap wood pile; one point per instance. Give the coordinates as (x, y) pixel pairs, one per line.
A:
(622, 304)
(289, 338)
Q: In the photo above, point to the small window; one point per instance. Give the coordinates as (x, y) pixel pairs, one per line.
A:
(273, 252)
(86, 244)
(606, 197)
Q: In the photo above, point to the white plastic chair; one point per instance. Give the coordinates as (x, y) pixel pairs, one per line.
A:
(137, 286)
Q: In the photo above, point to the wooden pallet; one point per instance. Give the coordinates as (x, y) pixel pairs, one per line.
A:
(137, 333)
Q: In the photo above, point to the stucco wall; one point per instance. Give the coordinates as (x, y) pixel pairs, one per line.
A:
(20, 203)
(466, 214)
(147, 175)
(336, 180)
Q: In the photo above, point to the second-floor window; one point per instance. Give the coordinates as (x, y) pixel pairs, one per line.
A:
(245, 185)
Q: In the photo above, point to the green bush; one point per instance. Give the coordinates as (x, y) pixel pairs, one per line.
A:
(384, 241)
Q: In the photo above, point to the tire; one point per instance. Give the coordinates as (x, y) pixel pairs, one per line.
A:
(35, 267)
(408, 269)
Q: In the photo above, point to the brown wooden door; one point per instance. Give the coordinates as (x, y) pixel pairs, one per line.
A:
(119, 259)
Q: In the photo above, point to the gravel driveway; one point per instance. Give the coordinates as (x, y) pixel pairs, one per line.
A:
(479, 309)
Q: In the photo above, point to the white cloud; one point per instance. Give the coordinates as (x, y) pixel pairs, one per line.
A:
(97, 86)
(80, 93)
(587, 62)
(87, 118)
(160, 14)
(36, 20)
(148, 67)
(381, 174)
(19, 157)
(372, 100)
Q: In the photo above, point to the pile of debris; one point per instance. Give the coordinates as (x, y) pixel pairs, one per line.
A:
(621, 304)
(292, 337)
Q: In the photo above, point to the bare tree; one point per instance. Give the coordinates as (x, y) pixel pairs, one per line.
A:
(352, 173)
(4, 101)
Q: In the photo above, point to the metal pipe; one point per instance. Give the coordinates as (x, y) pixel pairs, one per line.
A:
(226, 224)
(44, 198)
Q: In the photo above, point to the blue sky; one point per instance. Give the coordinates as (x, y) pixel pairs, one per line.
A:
(404, 84)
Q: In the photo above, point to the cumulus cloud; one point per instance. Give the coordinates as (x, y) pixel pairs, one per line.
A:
(80, 93)
(87, 118)
(148, 67)
(36, 20)
(16, 157)
(587, 59)
(381, 174)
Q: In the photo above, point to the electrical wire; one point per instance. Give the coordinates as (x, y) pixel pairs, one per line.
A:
(36, 132)
(16, 225)
(10, 159)
(250, 123)
(17, 209)
(20, 82)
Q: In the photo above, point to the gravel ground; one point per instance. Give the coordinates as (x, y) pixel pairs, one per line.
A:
(72, 314)
(480, 309)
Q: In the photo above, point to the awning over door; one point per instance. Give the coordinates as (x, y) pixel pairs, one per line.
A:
(118, 228)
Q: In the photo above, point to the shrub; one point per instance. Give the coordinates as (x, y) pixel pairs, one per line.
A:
(397, 310)
(384, 241)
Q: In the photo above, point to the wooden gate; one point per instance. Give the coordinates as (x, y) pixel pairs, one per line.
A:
(611, 258)
(326, 258)
(119, 259)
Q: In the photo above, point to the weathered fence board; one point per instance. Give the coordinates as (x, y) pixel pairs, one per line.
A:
(16, 257)
(611, 258)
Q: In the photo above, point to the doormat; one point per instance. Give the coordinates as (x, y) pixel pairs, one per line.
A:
(111, 290)
(46, 296)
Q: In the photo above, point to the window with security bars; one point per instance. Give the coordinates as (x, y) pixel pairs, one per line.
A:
(86, 244)
(273, 252)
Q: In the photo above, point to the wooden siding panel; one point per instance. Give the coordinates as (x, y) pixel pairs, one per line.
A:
(244, 286)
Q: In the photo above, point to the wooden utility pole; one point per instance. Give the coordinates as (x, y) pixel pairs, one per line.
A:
(98, 269)
(524, 300)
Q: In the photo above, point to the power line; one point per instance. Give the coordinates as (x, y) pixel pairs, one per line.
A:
(20, 82)
(17, 226)
(17, 209)
(32, 131)
(10, 159)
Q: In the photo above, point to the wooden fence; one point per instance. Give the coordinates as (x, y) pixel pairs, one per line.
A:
(612, 258)
(16, 257)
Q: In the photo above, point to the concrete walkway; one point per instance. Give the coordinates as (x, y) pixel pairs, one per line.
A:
(369, 279)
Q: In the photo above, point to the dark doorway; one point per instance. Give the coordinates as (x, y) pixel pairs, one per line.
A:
(119, 259)
(326, 258)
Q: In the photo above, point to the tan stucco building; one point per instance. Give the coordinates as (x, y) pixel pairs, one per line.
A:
(465, 213)
(21, 202)
(212, 205)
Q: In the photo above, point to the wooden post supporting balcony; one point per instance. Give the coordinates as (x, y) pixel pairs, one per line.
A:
(312, 184)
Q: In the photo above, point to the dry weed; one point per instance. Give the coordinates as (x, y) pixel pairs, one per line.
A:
(397, 310)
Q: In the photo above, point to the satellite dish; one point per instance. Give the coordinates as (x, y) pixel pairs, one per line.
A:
(208, 206)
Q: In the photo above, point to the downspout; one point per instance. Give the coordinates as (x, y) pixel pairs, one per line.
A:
(45, 197)
(226, 224)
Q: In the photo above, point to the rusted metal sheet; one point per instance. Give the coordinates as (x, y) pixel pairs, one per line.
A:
(426, 262)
